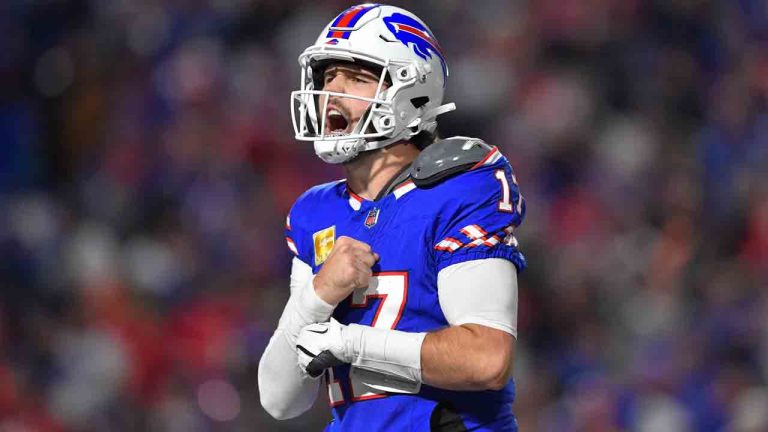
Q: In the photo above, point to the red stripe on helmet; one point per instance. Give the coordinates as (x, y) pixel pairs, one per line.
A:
(344, 19)
(349, 16)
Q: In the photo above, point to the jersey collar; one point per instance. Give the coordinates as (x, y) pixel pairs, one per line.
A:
(400, 184)
(401, 177)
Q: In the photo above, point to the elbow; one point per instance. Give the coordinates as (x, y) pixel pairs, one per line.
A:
(498, 380)
(498, 366)
(279, 406)
(274, 408)
(498, 374)
(277, 413)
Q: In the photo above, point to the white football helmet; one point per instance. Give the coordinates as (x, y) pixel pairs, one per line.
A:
(411, 62)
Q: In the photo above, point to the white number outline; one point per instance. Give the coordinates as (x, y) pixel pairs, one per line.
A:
(334, 388)
(388, 320)
(505, 205)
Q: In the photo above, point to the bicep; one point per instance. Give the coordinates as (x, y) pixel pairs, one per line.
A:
(482, 292)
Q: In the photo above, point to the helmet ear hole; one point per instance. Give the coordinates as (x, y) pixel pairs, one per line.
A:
(420, 101)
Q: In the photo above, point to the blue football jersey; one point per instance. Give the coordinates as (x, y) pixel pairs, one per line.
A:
(417, 232)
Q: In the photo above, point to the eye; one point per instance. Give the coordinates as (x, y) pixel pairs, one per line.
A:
(363, 79)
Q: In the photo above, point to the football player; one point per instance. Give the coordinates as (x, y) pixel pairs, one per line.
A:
(404, 282)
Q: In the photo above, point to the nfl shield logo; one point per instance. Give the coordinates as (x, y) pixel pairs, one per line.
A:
(372, 218)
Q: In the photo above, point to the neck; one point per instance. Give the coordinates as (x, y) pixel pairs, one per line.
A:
(371, 171)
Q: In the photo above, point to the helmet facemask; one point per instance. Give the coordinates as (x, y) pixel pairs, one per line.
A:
(310, 108)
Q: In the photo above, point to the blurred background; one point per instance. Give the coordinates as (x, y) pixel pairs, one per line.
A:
(147, 163)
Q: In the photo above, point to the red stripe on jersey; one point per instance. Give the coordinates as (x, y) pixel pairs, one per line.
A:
(469, 234)
(291, 245)
(448, 248)
(482, 231)
(485, 159)
(355, 196)
(407, 183)
(491, 244)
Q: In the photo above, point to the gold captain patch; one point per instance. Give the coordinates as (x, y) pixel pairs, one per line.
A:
(324, 240)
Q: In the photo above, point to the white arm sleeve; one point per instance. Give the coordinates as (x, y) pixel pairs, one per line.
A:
(480, 292)
(286, 392)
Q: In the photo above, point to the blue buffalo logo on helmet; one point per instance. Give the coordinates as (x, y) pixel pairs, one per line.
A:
(409, 31)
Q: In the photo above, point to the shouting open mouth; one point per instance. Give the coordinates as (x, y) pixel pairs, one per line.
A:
(337, 121)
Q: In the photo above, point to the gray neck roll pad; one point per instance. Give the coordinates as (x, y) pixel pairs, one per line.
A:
(446, 158)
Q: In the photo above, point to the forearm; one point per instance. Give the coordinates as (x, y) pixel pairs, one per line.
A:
(463, 357)
(284, 389)
(467, 357)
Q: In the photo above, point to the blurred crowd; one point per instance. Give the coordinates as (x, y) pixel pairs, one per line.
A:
(147, 163)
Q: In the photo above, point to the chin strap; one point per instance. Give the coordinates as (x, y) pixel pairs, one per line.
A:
(431, 115)
(428, 118)
(339, 150)
(442, 109)
(428, 121)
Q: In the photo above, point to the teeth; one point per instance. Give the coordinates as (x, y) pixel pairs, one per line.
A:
(337, 123)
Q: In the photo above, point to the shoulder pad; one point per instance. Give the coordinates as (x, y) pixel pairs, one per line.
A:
(446, 158)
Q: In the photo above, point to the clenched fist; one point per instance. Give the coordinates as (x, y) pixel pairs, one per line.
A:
(347, 268)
